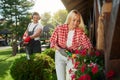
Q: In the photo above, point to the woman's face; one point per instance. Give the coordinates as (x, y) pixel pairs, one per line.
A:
(35, 18)
(75, 21)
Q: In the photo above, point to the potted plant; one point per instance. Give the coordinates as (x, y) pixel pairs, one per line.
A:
(87, 66)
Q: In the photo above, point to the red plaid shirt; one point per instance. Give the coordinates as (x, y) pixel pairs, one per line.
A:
(59, 37)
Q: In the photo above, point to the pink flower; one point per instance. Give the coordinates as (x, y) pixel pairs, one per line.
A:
(91, 64)
(110, 74)
(76, 65)
(85, 77)
(83, 52)
(83, 68)
(73, 76)
(77, 51)
(70, 71)
(97, 53)
(95, 69)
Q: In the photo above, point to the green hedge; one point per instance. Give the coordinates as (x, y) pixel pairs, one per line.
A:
(50, 52)
(40, 67)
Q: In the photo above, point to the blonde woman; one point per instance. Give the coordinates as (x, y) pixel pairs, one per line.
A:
(69, 36)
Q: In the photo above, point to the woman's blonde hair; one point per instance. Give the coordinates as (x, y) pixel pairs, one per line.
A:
(71, 14)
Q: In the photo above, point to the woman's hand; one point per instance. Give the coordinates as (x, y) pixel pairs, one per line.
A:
(57, 48)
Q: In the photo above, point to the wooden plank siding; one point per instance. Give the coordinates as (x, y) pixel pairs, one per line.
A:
(115, 53)
(114, 31)
(83, 6)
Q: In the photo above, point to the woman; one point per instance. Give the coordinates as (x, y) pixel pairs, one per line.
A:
(32, 36)
(69, 36)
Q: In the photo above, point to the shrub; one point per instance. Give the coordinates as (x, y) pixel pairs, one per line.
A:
(50, 52)
(40, 67)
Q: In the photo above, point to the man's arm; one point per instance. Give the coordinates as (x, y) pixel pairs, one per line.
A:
(36, 34)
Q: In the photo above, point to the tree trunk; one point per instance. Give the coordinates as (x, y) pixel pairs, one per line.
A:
(14, 49)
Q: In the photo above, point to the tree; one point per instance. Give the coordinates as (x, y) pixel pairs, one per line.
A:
(45, 18)
(13, 11)
(23, 24)
(50, 22)
(59, 17)
(46, 22)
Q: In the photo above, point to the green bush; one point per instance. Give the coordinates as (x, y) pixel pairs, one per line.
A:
(50, 52)
(40, 67)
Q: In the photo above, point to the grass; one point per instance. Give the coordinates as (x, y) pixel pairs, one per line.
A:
(6, 61)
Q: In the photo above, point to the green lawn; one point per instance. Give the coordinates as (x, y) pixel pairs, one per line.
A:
(6, 61)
